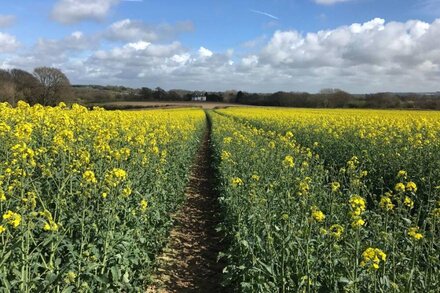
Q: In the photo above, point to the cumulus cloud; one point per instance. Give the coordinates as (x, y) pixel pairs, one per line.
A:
(131, 30)
(8, 43)
(72, 11)
(362, 57)
(373, 55)
(205, 53)
(75, 42)
(330, 2)
(54, 52)
(6, 20)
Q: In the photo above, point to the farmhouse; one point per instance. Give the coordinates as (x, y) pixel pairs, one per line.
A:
(199, 98)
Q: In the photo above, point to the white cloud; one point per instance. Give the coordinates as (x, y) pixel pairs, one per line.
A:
(330, 2)
(360, 57)
(8, 43)
(130, 30)
(6, 20)
(75, 42)
(205, 53)
(72, 11)
(250, 61)
(138, 46)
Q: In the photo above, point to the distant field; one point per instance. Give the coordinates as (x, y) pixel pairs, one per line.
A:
(204, 105)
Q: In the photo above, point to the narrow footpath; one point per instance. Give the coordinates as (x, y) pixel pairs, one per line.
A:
(189, 262)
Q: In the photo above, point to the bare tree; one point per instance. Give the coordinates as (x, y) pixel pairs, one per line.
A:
(27, 86)
(7, 87)
(55, 84)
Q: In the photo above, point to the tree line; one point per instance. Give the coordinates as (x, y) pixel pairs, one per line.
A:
(336, 98)
(49, 86)
(45, 85)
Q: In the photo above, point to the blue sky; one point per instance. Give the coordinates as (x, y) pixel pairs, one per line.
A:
(254, 45)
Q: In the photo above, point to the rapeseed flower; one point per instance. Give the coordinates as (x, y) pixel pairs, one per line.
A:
(399, 187)
(413, 233)
(236, 181)
(336, 231)
(335, 186)
(143, 204)
(288, 162)
(372, 257)
(317, 214)
(89, 176)
(386, 203)
(357, 222)
(357, 204)
(411, 186)
(408, 202)
(13, 219)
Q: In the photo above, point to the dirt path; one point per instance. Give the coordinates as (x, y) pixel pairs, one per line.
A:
(189, 262)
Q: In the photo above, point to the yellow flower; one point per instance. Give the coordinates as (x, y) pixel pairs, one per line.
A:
(413, 232)
(2, 196)
(225, 155)
(408, 202)
(436, 213)
(70, 277)
(386, 203)
(236, 181)
(144, 205)
(336, 231)
(126, 191)
(2, 229)
(30, 200)
(304, 186)
(317, 214)
(227, 140)
(116, 176)
(400, 187)
(357, 204)
(288, 162)
(89, 176)
(357, 222)
(335, 186)
(411, 186)
(50, 226)
(372, 257)
(12, 218)
(119, 173)
(255, 177)
(402, 174)
(271, 145)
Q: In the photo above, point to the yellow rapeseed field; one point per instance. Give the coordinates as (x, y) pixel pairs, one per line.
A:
(330, 200)
(85, 196)
(313, 200)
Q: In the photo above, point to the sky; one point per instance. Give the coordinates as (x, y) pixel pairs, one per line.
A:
(359, 46)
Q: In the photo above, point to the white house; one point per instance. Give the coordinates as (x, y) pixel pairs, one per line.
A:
(199, 98)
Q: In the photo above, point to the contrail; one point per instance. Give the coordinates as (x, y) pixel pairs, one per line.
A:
(265, 13)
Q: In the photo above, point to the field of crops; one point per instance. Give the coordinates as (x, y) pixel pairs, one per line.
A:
(330, 200)
(86, 196)
(313, 200)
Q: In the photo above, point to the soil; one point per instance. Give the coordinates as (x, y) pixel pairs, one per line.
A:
(189, 262)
